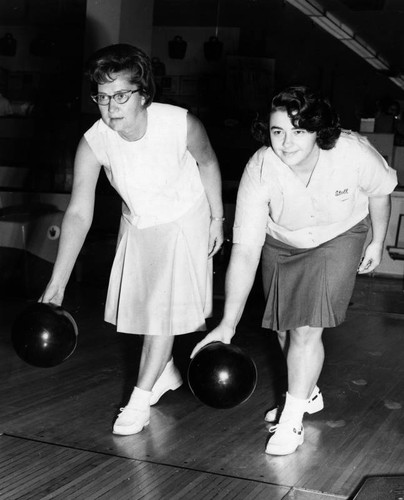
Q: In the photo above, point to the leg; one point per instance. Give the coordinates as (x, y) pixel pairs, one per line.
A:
(135, 416)
(156, 353)
(283, 339)
(157, 358)
(315, 400)
(305, 358)
(274, 413)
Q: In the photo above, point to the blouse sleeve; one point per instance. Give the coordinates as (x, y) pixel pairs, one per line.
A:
(376, 178)
(252, 203)
(95, 137)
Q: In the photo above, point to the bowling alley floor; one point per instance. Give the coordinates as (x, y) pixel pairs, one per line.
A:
(55, 423)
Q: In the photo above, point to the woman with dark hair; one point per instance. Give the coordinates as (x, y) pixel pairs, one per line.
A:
(305, 202)
(159, 159)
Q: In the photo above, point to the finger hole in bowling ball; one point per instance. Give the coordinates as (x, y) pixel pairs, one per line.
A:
(44, 335)
(222, 375)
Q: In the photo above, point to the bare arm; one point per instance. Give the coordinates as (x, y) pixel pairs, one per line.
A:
(240, 277)
(200, 148)
(379, 209)
(76, 222)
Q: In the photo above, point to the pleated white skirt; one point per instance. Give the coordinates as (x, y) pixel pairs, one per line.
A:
(161, 278)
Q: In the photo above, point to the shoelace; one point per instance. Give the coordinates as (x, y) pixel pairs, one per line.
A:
(296, 429)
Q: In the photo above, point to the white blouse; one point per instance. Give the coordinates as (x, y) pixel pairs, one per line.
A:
(273, 200)
(156, 176)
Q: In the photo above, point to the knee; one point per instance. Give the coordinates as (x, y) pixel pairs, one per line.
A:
(157, 342)
(306, 336)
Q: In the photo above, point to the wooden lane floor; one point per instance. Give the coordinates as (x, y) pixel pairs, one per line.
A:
(31, 469)
(69, 409)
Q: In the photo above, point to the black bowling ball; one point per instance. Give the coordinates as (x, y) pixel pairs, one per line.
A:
(222, 375)
(44, 335)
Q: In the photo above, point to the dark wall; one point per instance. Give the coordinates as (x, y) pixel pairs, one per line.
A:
(304, 53)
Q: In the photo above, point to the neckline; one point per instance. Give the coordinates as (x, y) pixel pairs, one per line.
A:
(313, 169)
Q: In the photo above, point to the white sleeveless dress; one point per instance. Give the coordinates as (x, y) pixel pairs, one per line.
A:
(161, 278)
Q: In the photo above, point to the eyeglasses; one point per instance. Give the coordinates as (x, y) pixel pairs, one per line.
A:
(119, 97)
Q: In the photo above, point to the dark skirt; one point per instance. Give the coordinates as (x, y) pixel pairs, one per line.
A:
(311, 286)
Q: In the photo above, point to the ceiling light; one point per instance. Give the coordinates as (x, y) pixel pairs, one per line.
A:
(340, 24)
(397, 80)
(363, 51)
(330, 27)
(308, 8)
(377, 63)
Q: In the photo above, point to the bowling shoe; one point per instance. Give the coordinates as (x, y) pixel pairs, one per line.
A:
(314, 404)
(286, 438)
(131, 421)
(169, 380)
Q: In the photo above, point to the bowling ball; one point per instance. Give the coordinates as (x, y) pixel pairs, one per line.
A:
(222, 375)
(44, 335)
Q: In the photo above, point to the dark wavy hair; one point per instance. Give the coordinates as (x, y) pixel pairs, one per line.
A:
(307, 110)
(105, 62)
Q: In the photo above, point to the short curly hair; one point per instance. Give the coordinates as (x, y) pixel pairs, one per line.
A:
(307, 110)
(105, 62)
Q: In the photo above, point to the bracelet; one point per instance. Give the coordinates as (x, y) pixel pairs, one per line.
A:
(221, 219)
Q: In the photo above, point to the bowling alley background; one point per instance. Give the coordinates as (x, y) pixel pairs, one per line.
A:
(221, 59)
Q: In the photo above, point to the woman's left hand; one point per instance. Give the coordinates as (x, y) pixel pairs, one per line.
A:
(216, 237)
(371, 258)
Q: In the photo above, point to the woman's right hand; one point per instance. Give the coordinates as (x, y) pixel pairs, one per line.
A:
(222, 333)
(52, 294)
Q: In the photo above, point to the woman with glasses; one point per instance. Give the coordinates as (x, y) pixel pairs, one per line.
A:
(305, 202)
(159, 159)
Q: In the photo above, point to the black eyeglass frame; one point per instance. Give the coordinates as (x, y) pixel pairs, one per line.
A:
(127, 93)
